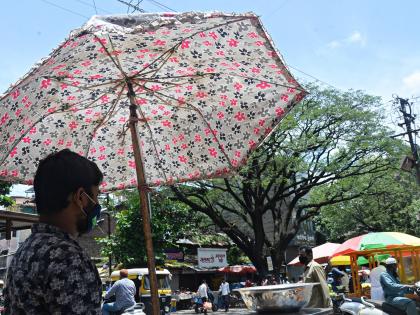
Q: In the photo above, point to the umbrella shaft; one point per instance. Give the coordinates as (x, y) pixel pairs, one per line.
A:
(144, 205)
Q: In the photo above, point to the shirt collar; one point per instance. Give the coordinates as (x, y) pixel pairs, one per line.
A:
(50, 229)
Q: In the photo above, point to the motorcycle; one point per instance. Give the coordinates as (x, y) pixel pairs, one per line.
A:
(137, 309)
(360, 306)
(198, 304)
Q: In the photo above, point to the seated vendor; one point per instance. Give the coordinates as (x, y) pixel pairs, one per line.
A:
(394, 291)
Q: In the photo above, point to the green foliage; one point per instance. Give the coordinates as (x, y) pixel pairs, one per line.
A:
(171, 220)
(388, 202)
(236, 257)
(5, 201)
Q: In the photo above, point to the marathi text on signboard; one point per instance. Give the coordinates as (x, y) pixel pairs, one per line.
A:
(212, 257)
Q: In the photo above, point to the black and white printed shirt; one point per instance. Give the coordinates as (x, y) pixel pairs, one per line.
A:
(51, 274)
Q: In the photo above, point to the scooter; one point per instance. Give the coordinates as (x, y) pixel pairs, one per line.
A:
(199, 306)
(360, 306)
(136, 309)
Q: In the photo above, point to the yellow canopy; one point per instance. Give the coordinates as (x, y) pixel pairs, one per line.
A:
(340, 261)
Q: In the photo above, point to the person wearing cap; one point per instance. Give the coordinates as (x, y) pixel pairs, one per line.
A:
(376, 291)
(124, 291)
(394, 291)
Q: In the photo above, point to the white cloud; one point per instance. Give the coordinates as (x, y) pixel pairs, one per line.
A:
(411, 83)
(355, 38)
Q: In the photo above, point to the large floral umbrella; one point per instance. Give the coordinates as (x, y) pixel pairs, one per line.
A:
(376, 240)
(197, 91)
(238, 269)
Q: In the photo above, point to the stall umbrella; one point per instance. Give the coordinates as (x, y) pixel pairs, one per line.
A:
(198, 93)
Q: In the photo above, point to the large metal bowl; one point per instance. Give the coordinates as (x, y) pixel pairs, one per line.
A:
(277, 298)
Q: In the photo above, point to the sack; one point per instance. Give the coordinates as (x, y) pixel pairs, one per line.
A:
(207, 305)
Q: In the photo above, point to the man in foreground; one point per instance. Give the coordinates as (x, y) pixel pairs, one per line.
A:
(50, 273)
(124, 291)
(394, 291)
(314, 273)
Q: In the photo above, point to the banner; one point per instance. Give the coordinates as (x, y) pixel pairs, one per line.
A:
(212, 257)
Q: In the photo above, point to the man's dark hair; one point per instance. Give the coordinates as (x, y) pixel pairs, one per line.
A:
(59, 175)
(306, 249)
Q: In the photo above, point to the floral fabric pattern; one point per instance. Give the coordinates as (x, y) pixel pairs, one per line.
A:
(209, 88)
(51, 274)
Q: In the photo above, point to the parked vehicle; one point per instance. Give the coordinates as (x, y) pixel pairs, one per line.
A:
(361, 306)
(199, 306)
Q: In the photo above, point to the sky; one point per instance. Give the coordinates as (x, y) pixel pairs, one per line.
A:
(371, 45)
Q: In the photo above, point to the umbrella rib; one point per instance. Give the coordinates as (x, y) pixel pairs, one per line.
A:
(152, 138)
(86, 87)
(115, 102)
(205, 121)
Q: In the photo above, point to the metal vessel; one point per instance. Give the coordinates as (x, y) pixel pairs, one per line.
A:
(280, 298)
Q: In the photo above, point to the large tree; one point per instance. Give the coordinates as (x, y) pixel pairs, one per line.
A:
(329, 137)
(171, 221)
(392, 203)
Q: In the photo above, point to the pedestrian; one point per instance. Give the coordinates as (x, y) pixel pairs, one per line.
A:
(376, 291)
(314, 273)
(394, 291)
(203, 291)
(50, 273)
(124, 291)
(224, 292)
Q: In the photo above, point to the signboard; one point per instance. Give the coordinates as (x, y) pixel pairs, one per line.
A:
(174, 255)
(212, 257)
(269, 263)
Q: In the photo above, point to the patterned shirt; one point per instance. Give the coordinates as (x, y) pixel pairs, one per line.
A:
(51, 274)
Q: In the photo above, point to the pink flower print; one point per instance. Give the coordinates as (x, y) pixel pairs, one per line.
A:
(95, 76)
(259, 43)
(181, 100)
(233, 102)
(121, 186)
(291, 90)
(75, 83)
(209, 69)
(102, 50)
(185, 44)
(261, 122)
(154, 112)
(131, 164)
(220, 53)
(15, 173)
(13, 152)
(4, 119)
(77, 71)
(48, 142)
(181, 137)
(25, 99)
(233, 42)
(202, 34)
(252, 35)
(3, 173)
(201, 94)
(263, 85)
(161, 107)
(86, 63)
(238, 154)
(93, 151)
(279, 111)
(284, 97)
(88, 120)
(223, 97)
(102, 148)
(167, 123)
(240, 116)
(73, 125)
(17, 113)
(197, 138)
(71, 98)
(207, 43)
(63, 86)
(220, 115)
(238, 86)
(133, 182)
(268, 130)
(156, 87)
(159, 42)
(26, 140)
(104, 184)
(15, 94)
(120, 152)
(235, 162)
(11, 139)
(167, 147)
(116, 52)
(221, 103)
(271, 54)
(213, 152)
(101, 157)
(184, 146)
(141, 101)
(251, 144)
(103, 41)
(144, 50)
(174, 59)
(122, 119)
(45, 83)
(256, 70)
(60, 142)
(104, 99)
(32, 131)
(182, 159)
(167, 113)
(69, 144)
(213, 35)
(28, 104)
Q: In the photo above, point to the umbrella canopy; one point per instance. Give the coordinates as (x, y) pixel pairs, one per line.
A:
(238, 269)
(208, 89)
(376, 240)
(153, 99)
(321, 253)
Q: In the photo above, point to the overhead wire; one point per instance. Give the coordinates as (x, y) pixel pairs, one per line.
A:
(161, 5)
(65, 9)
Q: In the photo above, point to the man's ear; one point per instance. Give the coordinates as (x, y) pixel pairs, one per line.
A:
(78, 197)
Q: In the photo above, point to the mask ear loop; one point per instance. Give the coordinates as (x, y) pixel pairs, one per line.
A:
(97, 225)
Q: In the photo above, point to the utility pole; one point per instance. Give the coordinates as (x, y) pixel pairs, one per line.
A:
(408, 120)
